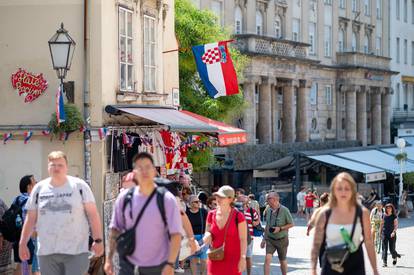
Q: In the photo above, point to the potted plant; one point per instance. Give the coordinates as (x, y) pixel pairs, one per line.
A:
(73, 121)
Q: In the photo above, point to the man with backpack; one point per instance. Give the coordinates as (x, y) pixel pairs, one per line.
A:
(62, 208)
(146, 225)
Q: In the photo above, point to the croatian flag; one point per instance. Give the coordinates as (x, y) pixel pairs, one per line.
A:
(216, 69)
(7, 137)
(27, 135)
(60, 111)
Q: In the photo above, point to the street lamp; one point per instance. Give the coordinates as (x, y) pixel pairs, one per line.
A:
(61, 47)
(401, 145)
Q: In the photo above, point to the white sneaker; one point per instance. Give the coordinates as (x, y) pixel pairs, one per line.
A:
(179, 270)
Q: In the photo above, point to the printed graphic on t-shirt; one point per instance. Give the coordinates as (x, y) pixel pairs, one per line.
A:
(55, 202)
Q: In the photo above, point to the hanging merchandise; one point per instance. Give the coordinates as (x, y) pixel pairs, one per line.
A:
(46, 132)
(7, 137)
(27, 136)
(28, 84)
(102, 132)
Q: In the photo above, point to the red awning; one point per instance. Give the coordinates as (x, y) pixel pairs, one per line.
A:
(227, 134)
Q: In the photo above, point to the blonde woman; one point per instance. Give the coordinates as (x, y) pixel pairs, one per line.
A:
(343, 250)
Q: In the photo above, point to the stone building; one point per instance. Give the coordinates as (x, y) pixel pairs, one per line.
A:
(319, 70)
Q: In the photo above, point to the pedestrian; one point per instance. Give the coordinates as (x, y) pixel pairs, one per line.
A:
(239, 192)
(26, 185)
(185, 196)
(323, 200)
(375, 218)
(198, 219)
(276, 238)
(309, 204)
(340, 231)
(185, 180)
(62, 208)
(252, 220)
(211, 203)
(226, 231)
(389, 226)
(156, 241)
(5, 246)
(300, 199)
(254, 204)
(203, 197)
(262, 203)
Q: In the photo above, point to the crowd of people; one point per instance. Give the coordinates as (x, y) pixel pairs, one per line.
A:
(159, 226)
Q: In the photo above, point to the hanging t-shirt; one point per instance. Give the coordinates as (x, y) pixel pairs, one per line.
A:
(62, 225)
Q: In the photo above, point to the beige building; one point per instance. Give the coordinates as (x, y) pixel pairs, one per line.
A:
(118, 59)
(319, 70)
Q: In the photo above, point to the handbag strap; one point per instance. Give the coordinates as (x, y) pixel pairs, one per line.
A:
(227, 225)
(143, 208)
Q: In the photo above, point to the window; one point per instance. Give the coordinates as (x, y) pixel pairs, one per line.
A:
(367, 7)
(278, 27)
(328, 2)
(398, 50)
(378, 47)
(329, 123)
(366, 44)
(327, 41)
(354, 5)
(312, 37)
(217, 9)
(150, 43)
(259, 23)
(341, 40)
(342, 4)
(412, 53)
(405, 51)
(296, 29)
(405, 11)
(397, 101)
(354, 42)
(397, 9)
(379, 9)
(314, 124)
(328, 95)
(238, 19)
(314, 94)
(126, 64)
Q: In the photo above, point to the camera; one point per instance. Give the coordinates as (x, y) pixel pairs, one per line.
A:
(239, 206)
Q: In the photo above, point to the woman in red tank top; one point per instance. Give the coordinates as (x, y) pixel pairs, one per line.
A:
(234, 262)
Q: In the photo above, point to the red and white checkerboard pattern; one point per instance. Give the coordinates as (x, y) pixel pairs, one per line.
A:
(211, 56)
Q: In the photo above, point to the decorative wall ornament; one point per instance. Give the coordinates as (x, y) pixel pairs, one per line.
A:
(29, 84)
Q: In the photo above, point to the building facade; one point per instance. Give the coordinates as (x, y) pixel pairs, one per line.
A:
(319, 70)
(402, 53)
(118, 59)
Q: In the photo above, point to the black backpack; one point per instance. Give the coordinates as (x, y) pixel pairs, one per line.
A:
(8, 228)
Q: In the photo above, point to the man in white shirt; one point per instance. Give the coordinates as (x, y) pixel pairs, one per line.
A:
(300, 198)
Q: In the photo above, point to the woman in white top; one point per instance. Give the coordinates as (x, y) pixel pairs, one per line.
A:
(344, 211)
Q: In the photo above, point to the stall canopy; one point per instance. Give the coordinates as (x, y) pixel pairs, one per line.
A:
(227, 134)
(162, 115)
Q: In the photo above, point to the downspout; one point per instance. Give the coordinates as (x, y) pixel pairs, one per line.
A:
(86, 93)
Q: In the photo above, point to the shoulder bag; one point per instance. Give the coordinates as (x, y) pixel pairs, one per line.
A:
(217, 254)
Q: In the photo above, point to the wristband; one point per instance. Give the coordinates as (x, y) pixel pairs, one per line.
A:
(97, 240)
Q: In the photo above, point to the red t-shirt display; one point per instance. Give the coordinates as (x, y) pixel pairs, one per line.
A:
(229, 265)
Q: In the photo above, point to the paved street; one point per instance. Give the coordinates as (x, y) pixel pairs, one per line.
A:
(300, 246)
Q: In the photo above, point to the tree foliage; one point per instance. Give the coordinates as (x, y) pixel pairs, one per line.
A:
(197, 27)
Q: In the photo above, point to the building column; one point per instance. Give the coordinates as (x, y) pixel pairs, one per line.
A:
(376, 118)
(249, 117)
(351, 112)
(275, 115)
(287, 125)
(302, 112)
(385, 116)
(339, 112)
(362, 116)
(265, 111)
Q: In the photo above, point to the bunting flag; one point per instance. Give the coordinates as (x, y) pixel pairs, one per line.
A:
(27, 135)
(102, 133)
(60, 110)
(7, 137)
(216, 69)
(46, 132)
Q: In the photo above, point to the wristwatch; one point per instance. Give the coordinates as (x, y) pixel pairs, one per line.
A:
(97, 240)
(171, 264)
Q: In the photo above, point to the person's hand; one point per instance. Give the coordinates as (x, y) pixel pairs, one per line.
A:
(263, 244)
(307, 231)
(24, 253)
(98, 249)
(128, 180)
(108, 267)
(168, 270)
(313, 272)
(277, 229)
(242, 265)
(393, 234)
(194, 246)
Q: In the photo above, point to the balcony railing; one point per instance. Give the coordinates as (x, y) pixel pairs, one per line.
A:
(363, 60)
(257, 44)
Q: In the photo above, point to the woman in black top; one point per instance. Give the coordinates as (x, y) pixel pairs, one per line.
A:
(389, 225)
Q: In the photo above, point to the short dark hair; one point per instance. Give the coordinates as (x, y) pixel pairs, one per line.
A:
(251, 196)
(24, 183)
(324, 198)
(142, 155)
(241, 191)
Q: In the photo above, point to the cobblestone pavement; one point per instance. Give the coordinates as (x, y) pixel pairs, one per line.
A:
(300, 246)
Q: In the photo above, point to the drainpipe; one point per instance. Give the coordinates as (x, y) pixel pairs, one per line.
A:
(86, 92)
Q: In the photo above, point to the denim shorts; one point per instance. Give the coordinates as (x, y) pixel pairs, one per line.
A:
(202, 255)
(249, 251)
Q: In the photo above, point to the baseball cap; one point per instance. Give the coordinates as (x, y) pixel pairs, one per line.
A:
(225, 191)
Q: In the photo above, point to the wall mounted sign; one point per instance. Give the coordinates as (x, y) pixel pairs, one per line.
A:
(28, 84)
(376, 77)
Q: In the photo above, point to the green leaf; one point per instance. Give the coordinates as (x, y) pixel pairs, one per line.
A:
(73, 122)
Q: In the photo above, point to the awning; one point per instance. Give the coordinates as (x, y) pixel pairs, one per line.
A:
(280, 163)
(227, 134)
(162, 115)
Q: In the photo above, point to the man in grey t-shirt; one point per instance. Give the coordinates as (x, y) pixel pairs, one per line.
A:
(62, 208)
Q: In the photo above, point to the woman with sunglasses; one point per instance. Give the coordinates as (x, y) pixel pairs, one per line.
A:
(389, 225)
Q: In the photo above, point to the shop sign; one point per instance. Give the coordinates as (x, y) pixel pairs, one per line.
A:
(30, 85)
(375, 177)
(232, 139)
(376, 77)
